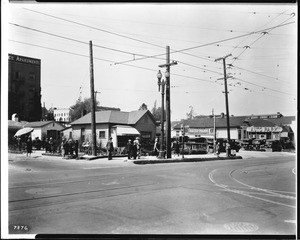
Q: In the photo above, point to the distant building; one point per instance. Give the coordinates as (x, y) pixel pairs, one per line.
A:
(62, 115)
(266, 126)
(24, 87)
(45, 129)
(119, 125)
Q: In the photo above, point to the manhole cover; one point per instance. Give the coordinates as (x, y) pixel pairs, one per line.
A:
(241, 227)
(43, 191)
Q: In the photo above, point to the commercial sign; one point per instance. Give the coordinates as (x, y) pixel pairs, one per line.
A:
(264, 129)
(199, 131)
(21, 59)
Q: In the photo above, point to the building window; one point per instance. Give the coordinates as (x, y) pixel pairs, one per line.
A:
(17, 75)
(101, 134)
(146, 135)
(82, 134)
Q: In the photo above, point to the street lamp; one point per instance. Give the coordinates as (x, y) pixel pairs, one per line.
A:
(162, 83)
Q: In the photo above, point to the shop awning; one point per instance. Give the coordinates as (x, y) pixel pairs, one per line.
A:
(126, 130)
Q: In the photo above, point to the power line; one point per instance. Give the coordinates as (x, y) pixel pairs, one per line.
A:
(194, 78)
(207, 44)
(62, 51)
(75, 40)
(263, 87)
(95, 28)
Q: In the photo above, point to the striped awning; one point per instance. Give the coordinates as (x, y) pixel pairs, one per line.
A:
(126, 130)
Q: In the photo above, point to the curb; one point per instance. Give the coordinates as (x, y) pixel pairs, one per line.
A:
(184, 160)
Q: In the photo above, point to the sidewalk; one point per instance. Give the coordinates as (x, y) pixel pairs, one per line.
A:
(121, 160)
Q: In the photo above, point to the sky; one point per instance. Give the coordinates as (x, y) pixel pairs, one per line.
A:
(129, 43)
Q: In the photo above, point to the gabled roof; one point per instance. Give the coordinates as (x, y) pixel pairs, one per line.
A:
(209, 122)
(38, 124)
(235, 121)
(283, 120)
(115, 117)
(16, 125)
(261, 123)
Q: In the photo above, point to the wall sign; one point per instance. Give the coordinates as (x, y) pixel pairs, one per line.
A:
(21, 59)
(264, 129)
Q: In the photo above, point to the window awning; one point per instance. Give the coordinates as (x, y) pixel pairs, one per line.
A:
(126, 130)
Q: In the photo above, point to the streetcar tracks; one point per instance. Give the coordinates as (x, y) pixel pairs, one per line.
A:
(252, 192)
(270, 192)
(76, 193)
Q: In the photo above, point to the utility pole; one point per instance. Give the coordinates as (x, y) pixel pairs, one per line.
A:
(93, 117)
(214, 130)
(226, 94)
(168, 108)
(96, 92)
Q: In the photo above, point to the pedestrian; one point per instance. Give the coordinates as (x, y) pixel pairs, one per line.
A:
(62, 148)
(218, 148)
(129, 149)
(156, 147)
(136, 142)
(51, 145)
(134, 149)
(71, 147)
(228, 149)
(19, 143)
(76, 144)
(177, 148)
(109, 148)
(28, 146)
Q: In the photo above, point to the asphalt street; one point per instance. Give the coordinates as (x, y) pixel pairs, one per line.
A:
(253, 195)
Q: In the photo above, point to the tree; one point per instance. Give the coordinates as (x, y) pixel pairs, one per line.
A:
(81, 108)
(157, 112)
(143, 107)
(191, 113)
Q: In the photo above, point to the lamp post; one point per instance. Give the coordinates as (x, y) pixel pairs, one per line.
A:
(161, 83)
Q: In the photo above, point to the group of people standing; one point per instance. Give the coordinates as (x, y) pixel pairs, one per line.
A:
(134, 148)
(175, 147)
(69, 148)
(227, 149)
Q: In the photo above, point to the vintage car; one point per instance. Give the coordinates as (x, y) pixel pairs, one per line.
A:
(275, 145)
(259, 144)
(235, 145)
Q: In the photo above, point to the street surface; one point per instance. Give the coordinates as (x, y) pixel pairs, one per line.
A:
(254, 195)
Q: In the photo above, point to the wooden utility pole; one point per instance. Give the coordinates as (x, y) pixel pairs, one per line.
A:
(168, 104)
(93, 117)
(214, 130)
(226, 94)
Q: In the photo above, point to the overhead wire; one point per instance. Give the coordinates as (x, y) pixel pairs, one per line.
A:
(75, 40)
(204, 45)
(110, 32)
(150, 44)
(95, 28)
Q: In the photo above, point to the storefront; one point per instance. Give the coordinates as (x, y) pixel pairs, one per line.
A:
(273, 133)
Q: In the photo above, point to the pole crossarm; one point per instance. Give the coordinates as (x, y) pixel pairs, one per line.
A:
(218, 59)
(224, 78)
(168, 65)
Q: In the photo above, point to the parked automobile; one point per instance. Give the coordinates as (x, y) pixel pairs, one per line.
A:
(259, 144)
(275, 145)
(233, 144)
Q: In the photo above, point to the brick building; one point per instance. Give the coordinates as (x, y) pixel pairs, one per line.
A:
(24, 87)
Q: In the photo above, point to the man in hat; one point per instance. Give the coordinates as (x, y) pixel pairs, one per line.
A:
(129, 148)
(110, 148)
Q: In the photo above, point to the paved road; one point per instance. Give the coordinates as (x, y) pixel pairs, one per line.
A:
(255, 195)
